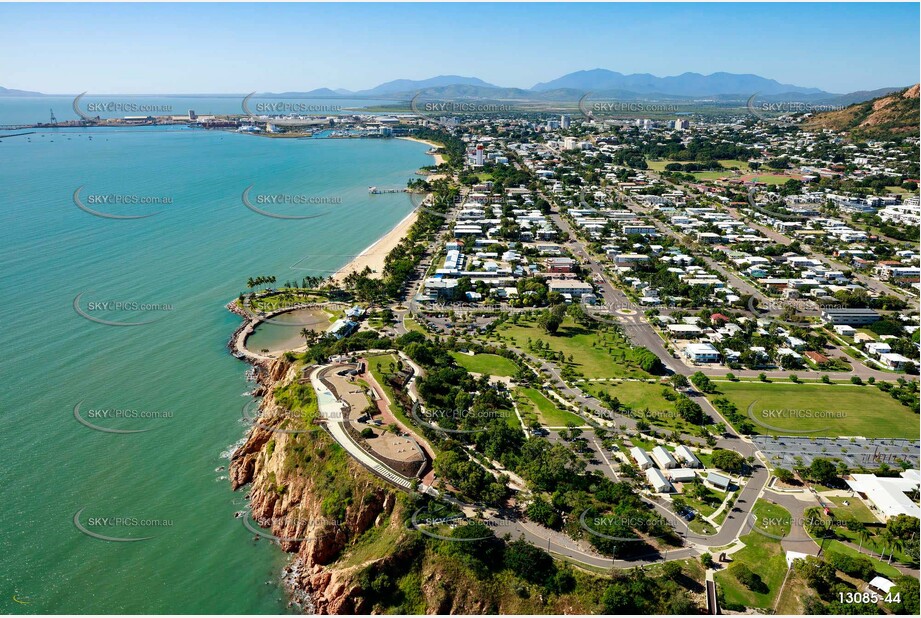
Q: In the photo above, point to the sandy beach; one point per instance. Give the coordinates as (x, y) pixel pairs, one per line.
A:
(373, 257)
(439, 159)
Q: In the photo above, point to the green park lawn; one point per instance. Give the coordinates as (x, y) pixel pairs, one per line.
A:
(771, 179)
(532, 400)
(412, 325)
(855, 509)
(831, 410)
(659, 165)
(763, 555)
(642, 396)
(490, 364)
(715, 175)
(595, 353)
(727, 163)
(637, 396)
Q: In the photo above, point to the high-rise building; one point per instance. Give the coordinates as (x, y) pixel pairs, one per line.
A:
(682, 124)
(479, 155)
(565, 121)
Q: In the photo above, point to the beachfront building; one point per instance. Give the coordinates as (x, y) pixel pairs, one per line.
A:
(342, 328)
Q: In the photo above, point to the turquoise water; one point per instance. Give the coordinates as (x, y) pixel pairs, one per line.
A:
(184, 263)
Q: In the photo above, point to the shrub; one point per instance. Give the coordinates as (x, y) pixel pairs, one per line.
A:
(748, 578)
(855, 566)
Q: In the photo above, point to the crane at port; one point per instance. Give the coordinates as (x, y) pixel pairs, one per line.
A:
(53, 119)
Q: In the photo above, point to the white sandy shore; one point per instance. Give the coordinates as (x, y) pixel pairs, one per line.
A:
(439, 159)
(373, 257)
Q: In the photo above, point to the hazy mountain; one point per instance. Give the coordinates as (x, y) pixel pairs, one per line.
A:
(718, 88)
(686, 84)
(407, 85)
(318, 92)
(9, 92)
(862, 95)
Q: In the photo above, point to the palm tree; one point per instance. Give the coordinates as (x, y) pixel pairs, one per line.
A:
(896, 544)
(885, 539)
(863, 535)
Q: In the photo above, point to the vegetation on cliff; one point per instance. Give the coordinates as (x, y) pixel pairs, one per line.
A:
(890, 116)
(368, 556)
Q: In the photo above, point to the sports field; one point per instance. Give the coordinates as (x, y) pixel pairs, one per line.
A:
(821, 409)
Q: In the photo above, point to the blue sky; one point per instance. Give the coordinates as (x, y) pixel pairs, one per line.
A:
(233, 48)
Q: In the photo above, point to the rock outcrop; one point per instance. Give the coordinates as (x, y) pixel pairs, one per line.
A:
(292, 497)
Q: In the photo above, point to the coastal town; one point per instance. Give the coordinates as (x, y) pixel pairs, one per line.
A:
(488, 308)
(718, 316)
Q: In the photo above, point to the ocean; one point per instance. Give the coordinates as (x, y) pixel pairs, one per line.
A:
(122, 323)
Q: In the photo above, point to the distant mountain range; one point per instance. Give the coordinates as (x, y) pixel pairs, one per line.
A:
(7, 92)
(717, 87)
(686, 84)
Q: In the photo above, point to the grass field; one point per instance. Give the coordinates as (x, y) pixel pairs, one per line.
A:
(412, 325)
(822, 410)
(548, 414)
(640, 396)
(742, 165)
(763, 555)
(771, 179)
(855, 509)
(712, 175)
(595, 353)
(490, 364)
(659, 166)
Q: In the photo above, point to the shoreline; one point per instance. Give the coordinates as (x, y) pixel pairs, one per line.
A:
(375, 255)
(439, 158)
